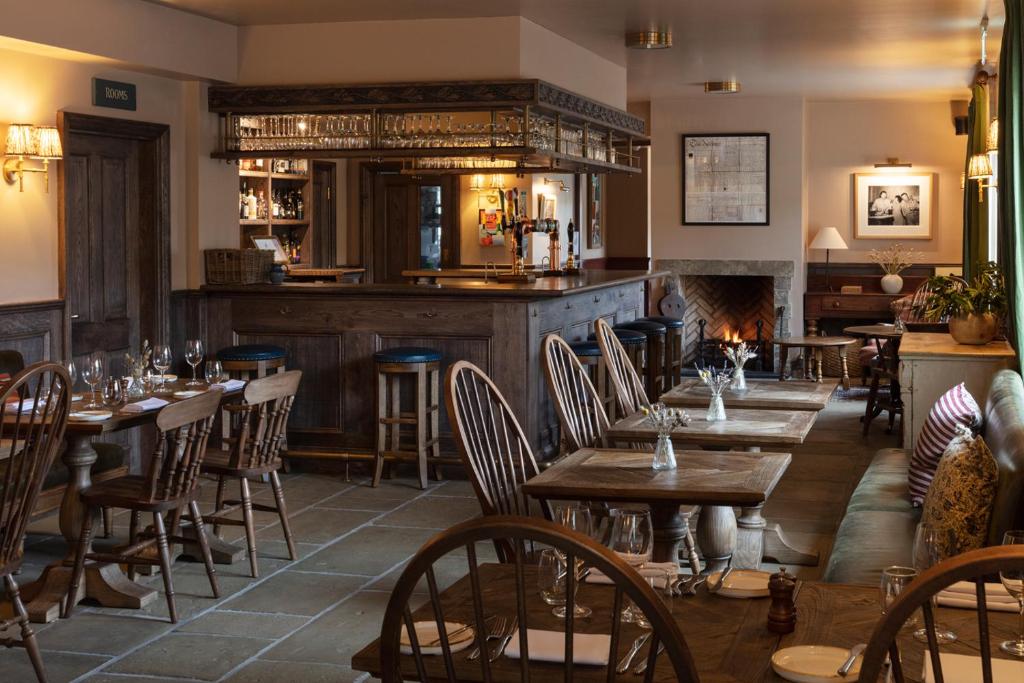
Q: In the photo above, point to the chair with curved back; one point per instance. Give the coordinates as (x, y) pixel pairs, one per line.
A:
(260, 430)
(514, 590)
(973, 566)
(579, 407)
(493, 448)
(630, 395)
(34, 408)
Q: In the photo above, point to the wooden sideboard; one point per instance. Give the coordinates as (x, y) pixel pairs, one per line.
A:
(930, 364)
(872, 305)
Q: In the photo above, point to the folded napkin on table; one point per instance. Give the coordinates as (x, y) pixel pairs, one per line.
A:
(961, 594)
(549, 646)
(659, 570)
(143, 406)
(967, 669)
(230, 385)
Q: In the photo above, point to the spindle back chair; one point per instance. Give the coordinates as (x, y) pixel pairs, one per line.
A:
(34, 408)
(519, 532)
(580, 409)
(630, 395)
(493, 448)
(973, 566)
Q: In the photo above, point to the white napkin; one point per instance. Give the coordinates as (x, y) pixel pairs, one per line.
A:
(230, 385)
(659, 570)
(143, 406)
(961, 594)
(549, 646)
(967, 669)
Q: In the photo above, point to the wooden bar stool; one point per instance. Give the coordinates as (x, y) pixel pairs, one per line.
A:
(634, 343)
(673, 373)
(246, 360)
(423, 365)
(654, 360)
(589, 355)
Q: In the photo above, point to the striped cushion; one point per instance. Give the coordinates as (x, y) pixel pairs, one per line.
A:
(955, 407)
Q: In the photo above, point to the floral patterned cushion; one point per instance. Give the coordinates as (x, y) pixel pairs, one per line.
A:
(962, 492)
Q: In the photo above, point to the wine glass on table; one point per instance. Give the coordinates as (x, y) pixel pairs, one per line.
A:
(632, 539)
(92, 374)
(895, 580)
(69, 365)
(1013, 582)
(576, 517)
(162, 359)
(932, 545)
(214, 371)
(194, 356)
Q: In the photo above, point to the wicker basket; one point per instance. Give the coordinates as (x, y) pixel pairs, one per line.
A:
(238, 266)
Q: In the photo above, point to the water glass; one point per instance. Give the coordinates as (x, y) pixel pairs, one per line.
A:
(162, 359)
(633, 540)
(551, 577)
(931, 545)
(113, 392)
(894, 581)
(1013, 582)
(93, 373)
(194, 356)
(578, 518)
(214, 371)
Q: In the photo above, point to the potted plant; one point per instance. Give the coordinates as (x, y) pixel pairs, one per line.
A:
(975, 309)
(893, 261)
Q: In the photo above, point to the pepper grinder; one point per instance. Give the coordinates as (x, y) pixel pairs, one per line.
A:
(782, 612)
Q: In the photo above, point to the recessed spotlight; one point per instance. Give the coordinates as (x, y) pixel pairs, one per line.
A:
(649, 40)
(721, 87)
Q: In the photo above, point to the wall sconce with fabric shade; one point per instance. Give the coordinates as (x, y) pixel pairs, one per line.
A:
(828, 238)
(35, 142)
(980, 169)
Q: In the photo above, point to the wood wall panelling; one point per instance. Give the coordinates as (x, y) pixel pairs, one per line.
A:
(33, 329)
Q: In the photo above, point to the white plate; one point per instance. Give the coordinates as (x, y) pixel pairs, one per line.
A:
(188, 393)
(743, 583)
(426, 632)
(813, 664)
(90, 415)
(76, 397)
(166, 378)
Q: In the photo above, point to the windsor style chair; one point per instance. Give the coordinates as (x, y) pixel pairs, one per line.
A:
(259, 434)
(34, 407)
(169, 487)
(972, 566)
(630, 395)
(579, 406)
(490, 590)
(493, 448)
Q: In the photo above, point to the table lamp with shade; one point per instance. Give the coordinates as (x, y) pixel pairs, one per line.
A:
(828, 238)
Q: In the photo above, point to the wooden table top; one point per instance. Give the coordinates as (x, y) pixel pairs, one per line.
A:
(701, 478)
(942, 345)
(882, 331)
(727, 637)
(743, 427)
(814, 342)
(766, 394)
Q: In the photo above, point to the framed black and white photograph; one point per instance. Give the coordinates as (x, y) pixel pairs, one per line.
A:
(893, 205)
(726, 179)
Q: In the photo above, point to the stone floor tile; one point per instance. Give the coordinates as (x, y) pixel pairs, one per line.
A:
(61, 667)
(370, 551)
(97, 633)
(245, 624)
(432, 513)
(299, 593)
(263, 671)
(318, 525)
(203, 657)
(384, 498)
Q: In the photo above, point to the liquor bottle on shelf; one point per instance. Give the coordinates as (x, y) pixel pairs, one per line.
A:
(286, 206)
(276, 204)
(252, 204)
(261, 206)
(300, 208)
(243, 204)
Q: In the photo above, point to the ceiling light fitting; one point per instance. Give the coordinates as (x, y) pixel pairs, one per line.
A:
(649, 40)
(721, 87)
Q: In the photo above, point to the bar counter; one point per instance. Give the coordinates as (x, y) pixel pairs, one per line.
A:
(331, 331)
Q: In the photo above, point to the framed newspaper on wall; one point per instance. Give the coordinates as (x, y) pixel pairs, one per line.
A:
(725, 179)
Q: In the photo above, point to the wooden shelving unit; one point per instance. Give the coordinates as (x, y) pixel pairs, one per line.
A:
(290, 231)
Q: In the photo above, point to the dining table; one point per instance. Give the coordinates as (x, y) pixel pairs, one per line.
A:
(766, 394)
(744, 429)
(727, 637)
(104, 582)
(714, 479)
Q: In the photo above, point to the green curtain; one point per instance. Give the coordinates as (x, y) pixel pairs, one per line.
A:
(1011, 166)
(975, 211)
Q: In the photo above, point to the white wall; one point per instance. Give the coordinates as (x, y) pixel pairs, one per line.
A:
(783, 239)
(846, 137)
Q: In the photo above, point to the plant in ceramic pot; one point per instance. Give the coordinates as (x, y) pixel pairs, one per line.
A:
(974, 309)
(893, 261)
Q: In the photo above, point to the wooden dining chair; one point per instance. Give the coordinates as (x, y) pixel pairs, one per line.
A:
(169, 486)
(259, 434)
(34, 408)
(492, 446)
(518, 599)
(629, 388)
(973, 566)
(580, 409)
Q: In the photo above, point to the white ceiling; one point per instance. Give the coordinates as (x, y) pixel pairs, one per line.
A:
(817, 48)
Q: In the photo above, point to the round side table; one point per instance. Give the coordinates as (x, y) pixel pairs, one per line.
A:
(812, 350)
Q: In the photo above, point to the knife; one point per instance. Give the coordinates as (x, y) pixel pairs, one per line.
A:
(855, 652)
(624, 665)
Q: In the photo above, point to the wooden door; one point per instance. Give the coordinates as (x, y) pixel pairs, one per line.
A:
(324, 214)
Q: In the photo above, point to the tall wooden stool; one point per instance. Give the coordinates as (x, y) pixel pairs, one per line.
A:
(634, 344)
(589, 355)
(673, 372)
(654, 360)
(248, 360)
(425, 366)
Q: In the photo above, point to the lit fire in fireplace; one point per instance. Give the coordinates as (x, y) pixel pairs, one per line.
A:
(730, 336)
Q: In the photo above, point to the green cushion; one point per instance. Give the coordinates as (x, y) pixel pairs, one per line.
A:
(868, 541)
(884, 485)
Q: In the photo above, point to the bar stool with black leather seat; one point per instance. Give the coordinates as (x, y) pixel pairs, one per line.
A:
(423, 365)
(588, 353)
(654, 356)
(249, 360)
(673, 356)
(635, 345)
(262, 421)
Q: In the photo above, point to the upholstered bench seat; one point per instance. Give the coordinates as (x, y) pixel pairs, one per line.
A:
(251, 352)
(407, 354)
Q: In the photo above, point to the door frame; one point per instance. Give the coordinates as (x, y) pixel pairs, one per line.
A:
(154, 214)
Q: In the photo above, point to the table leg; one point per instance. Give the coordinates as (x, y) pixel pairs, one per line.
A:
(846, 372)
(819, 355)
(808, 362)
(783, 361)
(669, 530)
(103, 582)
(716, 536)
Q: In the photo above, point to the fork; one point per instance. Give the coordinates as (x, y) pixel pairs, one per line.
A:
(496, 627)
(506, 638)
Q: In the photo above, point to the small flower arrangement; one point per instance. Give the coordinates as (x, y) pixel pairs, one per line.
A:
(665, 419)
(716, 380)
(738, 355)
(136, 367)
(893, 260)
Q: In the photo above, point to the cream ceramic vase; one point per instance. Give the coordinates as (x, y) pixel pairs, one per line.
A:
(973, 328)
(892, 284)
